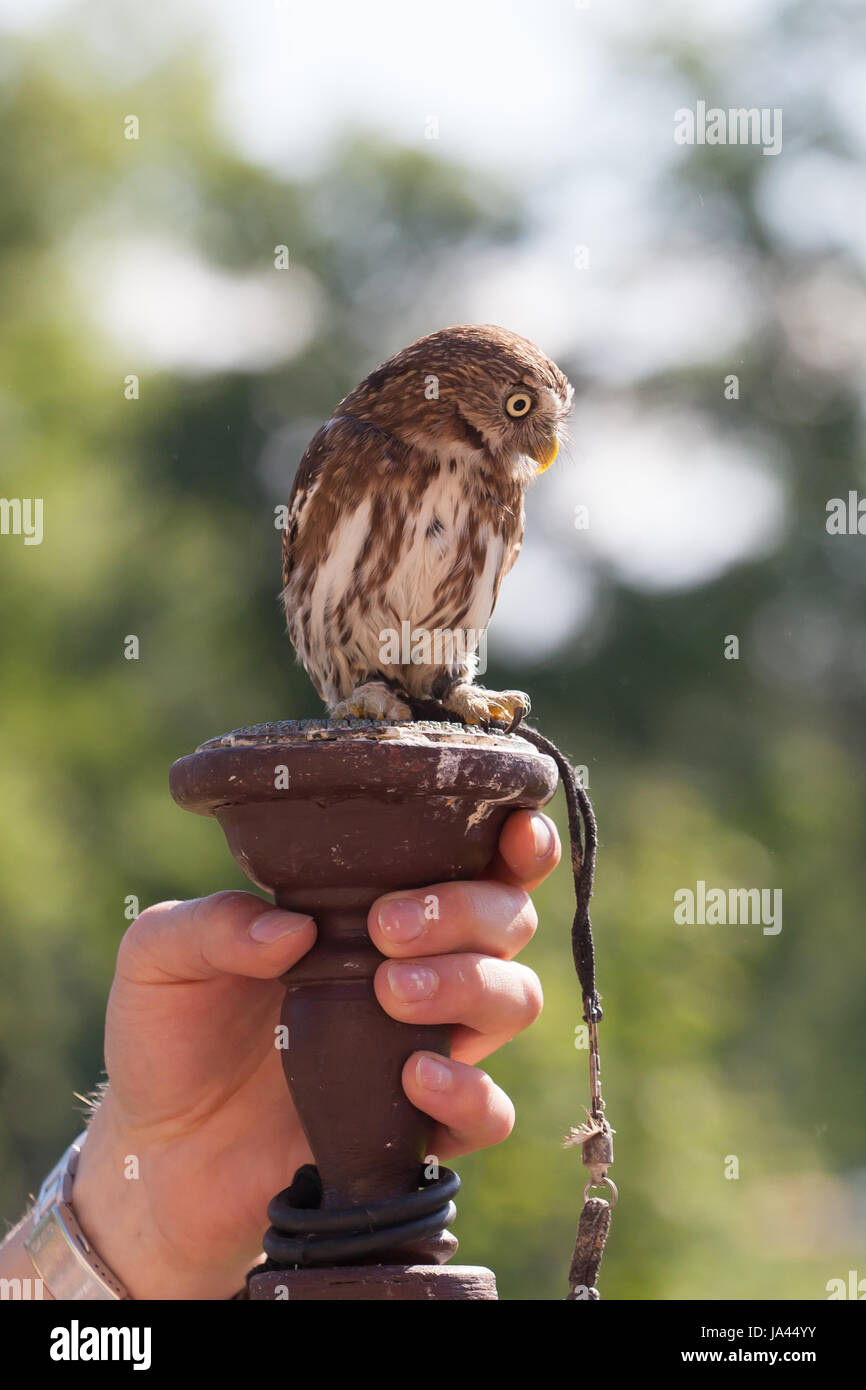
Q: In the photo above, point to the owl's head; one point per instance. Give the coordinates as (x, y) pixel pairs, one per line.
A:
(472, 387)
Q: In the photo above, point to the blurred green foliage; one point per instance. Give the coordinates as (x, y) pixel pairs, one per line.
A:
(159, 522)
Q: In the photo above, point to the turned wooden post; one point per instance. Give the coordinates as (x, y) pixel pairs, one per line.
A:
(327, 815)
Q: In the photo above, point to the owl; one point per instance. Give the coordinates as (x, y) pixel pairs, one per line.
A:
(406, 514)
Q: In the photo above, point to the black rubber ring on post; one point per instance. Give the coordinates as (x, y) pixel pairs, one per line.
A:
(302, 1234)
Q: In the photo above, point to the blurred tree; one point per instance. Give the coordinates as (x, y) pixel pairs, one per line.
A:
(158, 516)
(159, 524)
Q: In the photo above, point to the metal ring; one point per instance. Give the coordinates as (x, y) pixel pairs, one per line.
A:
(609, 1182)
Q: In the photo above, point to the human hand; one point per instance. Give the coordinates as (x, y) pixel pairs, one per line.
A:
(196, 1089)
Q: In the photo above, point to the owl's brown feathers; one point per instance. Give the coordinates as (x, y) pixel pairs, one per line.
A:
(407, 509)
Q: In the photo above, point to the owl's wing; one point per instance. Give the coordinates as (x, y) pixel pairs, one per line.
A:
(511, 556)
(311, 465)
(345, 461)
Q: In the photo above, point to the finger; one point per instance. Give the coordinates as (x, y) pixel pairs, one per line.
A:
(492, 997)
(528, 850)
(471, 1111)
(491, 918)
(229, 933)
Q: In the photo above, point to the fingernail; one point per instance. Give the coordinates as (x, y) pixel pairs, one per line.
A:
(542, 836)
(275, 924)
(412, 982)
(432, 1074)
(401, 918)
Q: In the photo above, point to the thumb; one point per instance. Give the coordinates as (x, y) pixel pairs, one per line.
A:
(229, 933)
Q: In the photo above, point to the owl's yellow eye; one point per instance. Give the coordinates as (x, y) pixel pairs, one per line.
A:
(518, 404)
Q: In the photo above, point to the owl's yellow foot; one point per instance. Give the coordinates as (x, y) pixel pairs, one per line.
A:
(374, 700)
(475, 705)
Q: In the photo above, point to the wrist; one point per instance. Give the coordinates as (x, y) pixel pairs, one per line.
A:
(64, 1259)
(114, 1206)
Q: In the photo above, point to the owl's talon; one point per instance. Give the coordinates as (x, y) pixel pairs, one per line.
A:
(373, 700)
(477, 706)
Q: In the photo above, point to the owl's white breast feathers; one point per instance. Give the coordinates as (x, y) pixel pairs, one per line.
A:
(432, 584)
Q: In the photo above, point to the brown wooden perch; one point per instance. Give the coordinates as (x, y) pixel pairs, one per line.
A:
(327, 815)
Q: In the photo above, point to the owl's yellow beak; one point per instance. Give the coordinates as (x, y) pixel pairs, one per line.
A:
(544, 458)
